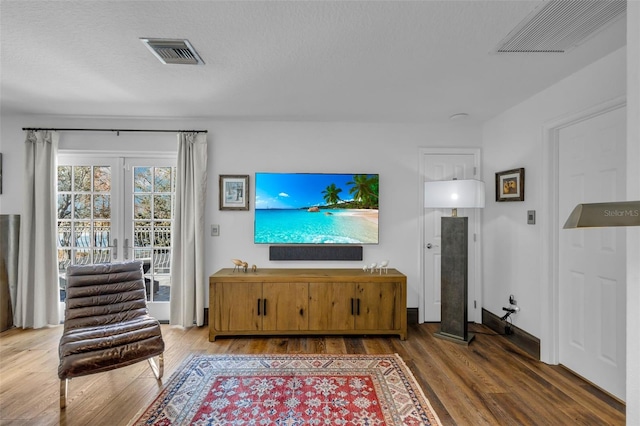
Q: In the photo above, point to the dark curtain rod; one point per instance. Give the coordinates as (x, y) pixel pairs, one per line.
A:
(115, 130)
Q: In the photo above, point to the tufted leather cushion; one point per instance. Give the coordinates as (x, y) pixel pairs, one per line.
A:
(106, 320)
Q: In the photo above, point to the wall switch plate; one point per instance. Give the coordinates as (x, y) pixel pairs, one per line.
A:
(531, 217)
(215, 230)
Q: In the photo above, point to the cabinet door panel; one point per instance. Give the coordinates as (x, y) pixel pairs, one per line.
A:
(236, 306)
(286, 306)
(378, 306)
(330, 306)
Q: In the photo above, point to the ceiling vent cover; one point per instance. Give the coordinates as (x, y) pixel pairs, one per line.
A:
(561, 25)
(173, 51)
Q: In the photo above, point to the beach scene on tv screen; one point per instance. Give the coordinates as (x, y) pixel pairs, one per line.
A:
(322, 208)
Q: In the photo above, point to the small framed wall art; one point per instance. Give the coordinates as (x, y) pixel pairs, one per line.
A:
(234, 192)
(510, 185)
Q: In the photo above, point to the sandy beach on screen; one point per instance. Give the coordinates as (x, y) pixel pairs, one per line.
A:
(368, 214)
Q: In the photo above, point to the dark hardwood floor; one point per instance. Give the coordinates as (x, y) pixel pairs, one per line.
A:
(490, 382)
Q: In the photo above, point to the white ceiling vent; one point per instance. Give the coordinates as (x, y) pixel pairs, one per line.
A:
(561, 25)
(173, 51)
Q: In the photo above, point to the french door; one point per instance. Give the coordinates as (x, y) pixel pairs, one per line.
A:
(116, 209)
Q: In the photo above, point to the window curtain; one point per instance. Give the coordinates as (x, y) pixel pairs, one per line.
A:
(37, 292)
(187, 257)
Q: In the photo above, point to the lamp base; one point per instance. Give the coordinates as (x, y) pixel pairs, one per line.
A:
(455, 339)
(453, 280)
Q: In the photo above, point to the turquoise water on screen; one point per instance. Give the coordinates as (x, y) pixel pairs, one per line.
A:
(337, 226)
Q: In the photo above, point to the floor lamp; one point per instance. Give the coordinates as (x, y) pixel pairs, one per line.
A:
(454, 194)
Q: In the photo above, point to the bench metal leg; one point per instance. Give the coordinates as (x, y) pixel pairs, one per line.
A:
(157, 368)
(63, 393)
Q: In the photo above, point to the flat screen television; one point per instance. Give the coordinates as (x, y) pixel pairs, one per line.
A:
(316, 208)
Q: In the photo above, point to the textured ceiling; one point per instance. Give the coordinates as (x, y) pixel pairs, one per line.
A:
(392, 61)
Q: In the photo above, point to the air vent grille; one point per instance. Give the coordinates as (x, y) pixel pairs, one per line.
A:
(173, 51)
(561, 25)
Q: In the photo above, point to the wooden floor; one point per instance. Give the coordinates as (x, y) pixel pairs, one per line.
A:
(491, 382)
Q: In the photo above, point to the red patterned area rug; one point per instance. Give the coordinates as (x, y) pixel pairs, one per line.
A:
(291, 390)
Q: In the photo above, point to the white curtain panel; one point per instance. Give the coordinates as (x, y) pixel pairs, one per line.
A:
(37, 293)
(187, 258)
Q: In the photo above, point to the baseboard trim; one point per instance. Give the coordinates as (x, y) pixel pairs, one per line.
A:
(412, 316)
(525, 341)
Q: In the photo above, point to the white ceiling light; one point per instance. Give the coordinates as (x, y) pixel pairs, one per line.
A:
(173, 51)
(459, 116)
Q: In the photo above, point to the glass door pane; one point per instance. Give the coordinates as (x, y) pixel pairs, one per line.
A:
(149, 213)
(87, 226)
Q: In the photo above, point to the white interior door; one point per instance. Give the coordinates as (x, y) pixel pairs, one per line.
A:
(592, 281)
(446, 166)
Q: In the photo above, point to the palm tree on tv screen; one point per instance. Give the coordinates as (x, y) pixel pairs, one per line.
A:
(365, 190)
(330, 194)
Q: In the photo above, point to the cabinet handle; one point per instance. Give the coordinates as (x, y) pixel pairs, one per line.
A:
(358, 309)
(301, 312)
(264, 307)
(352, 310)
(258, 307)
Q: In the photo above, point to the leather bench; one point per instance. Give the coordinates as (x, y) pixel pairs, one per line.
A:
(107, 325)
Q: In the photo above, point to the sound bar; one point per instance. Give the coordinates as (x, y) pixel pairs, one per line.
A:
(315, 252)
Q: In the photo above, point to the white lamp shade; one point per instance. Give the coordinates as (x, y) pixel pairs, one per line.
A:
(454, 194)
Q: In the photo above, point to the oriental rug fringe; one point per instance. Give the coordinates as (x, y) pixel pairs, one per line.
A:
(289, 389)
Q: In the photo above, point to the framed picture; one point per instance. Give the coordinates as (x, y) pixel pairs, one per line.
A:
(510, 185)
(234, 192)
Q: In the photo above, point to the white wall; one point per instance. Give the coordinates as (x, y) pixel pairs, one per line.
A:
(238, 147)
(512, 249)
(390, 150)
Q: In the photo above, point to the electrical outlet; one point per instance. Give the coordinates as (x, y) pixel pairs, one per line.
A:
(215, 230)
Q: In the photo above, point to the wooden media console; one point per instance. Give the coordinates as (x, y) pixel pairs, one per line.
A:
(307, 301)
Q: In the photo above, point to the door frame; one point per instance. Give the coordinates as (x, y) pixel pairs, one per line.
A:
(477, 272)
(550, 306)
